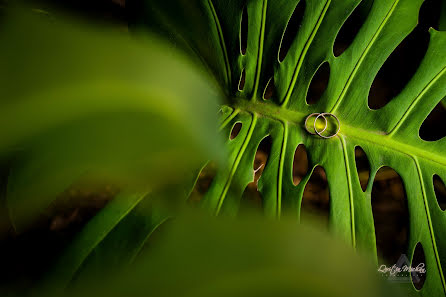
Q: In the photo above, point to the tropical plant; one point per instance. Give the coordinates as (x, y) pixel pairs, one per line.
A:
(246, 47)
(247, 62)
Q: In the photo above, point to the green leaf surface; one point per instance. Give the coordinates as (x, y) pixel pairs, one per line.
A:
(389, 136)
(81, 101)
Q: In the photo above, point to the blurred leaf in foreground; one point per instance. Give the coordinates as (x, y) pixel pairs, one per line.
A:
(116, 236)
(82, 101)
(200, 256)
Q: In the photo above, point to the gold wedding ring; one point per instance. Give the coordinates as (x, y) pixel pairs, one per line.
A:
(323, 115)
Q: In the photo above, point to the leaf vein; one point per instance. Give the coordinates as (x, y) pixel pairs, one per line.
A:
(362, 57)
(260, 51)
(304, 53)
(236, 163)
(221, 39)
(429, 221)
(350, 190)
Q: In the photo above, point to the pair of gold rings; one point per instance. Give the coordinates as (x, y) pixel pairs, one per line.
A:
(324, 116)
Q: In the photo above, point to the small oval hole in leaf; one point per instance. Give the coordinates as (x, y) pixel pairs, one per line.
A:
(418, 261)
(400, 67)
(432, 128)
(319, 83)
(244, 31)
(203, 183)
(235, 130)
(316, 199)
(292, 29)
(300, 164)
(440, 191)
(351, 27)
(390, 215)
(241, 84)
(269, 90)
(362, 167)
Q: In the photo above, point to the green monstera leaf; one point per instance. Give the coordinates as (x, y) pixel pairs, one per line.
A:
(214, 31)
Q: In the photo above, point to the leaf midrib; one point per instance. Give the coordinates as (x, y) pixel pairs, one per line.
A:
(289, 116)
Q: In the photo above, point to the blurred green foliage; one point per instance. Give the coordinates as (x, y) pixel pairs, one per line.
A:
(197, 255)
(89, 102)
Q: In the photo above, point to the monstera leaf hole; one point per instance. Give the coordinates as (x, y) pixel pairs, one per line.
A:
(261, 156)
(252, 199)
(235, 130)
(204, 182)
(292, 30)
(244, 31)
(300, 164)
(418, 258)
(241, 84)
(430, 13)
(440, 192)
(390, 215)
(362, 167)
(318, 84)
(351, 27)
(432, 128)
(316, 199)
(269, 90)
(402, 64)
